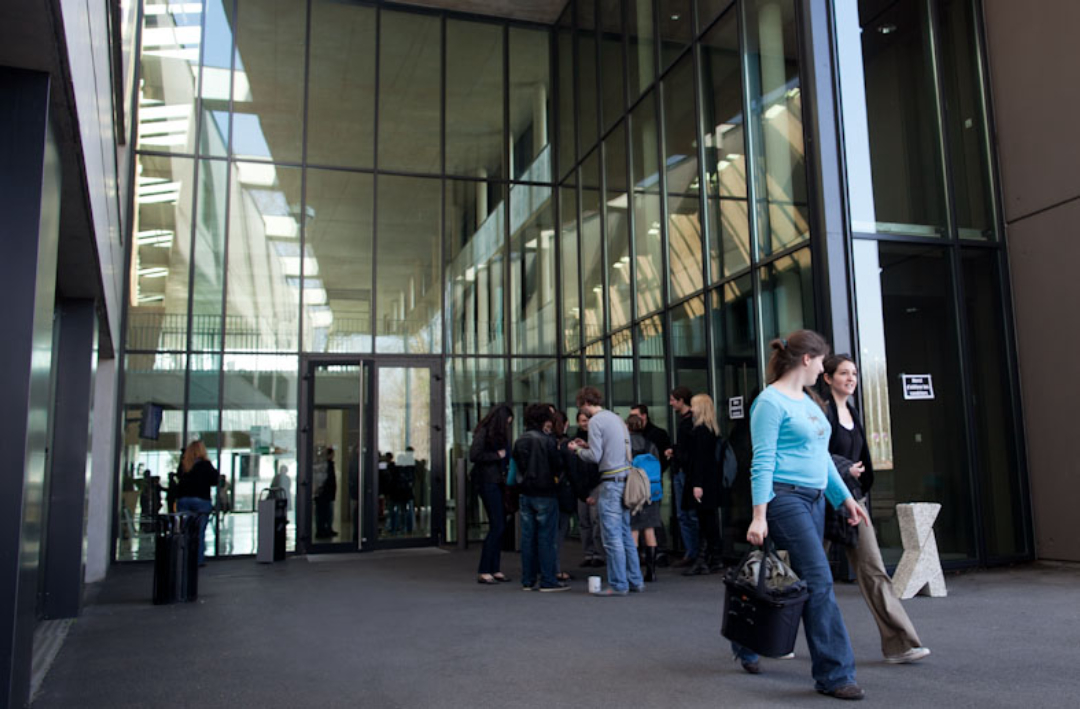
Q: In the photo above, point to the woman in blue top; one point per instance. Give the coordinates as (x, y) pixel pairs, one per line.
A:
(791, 475)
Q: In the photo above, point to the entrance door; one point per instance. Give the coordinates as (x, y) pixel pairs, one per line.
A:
(373, 474)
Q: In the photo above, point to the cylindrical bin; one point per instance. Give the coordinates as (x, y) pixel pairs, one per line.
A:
(273, 520)
(176, 558)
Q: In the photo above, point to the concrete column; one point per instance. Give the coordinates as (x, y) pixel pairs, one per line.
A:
(29, 240)
(102, 491)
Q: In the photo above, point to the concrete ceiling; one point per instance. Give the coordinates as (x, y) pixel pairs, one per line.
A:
(546, 11)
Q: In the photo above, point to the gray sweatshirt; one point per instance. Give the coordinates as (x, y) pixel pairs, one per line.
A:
(608, 440)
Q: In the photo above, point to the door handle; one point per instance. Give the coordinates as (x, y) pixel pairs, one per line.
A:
(437, 428)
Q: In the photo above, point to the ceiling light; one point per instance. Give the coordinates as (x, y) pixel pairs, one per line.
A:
(155, 272)
(774, 110)
(887, 28)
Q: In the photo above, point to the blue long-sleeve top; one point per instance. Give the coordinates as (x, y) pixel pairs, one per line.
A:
(791, 445)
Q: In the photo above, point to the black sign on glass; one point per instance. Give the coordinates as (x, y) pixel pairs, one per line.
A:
(918, 386)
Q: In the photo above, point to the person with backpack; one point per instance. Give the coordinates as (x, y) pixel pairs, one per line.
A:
(538, 468)
(647, 457)
(609, 448)
(702, 492)
(488, 454)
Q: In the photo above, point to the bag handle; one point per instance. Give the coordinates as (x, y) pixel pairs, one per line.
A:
(769, 551)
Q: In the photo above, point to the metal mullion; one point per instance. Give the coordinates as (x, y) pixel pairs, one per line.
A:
(631, 212)
(375, 186)
(508, 319)
(303, 178)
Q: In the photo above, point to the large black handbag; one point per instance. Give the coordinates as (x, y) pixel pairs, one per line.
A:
(763, 603)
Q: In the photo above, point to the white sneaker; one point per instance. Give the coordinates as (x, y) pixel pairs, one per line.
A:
(789, 656)
(913, 655)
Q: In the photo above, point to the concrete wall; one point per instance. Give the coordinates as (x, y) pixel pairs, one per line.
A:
(1033, 63)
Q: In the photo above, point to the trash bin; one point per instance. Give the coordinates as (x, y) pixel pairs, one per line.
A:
(176, 558)
(273, 519)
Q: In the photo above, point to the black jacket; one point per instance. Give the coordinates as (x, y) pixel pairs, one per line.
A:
(197, 481)
(584, 476)
(866, 480)
(539, 464)
(659, 438)
(488, 467)
(683, 444)
(702, 470)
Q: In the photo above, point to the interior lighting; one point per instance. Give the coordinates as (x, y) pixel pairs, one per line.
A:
(283, 227)
(654, 231)
(887, 28)
(154, 237)
(153, 272)
(774, 110)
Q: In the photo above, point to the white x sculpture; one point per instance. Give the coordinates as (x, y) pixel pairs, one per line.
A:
(919, 571)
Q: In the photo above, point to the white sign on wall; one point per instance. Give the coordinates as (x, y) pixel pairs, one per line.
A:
(735, 409)
(918, 386)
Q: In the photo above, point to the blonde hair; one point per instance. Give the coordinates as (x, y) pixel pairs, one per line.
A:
(195, 452)
(704, 412)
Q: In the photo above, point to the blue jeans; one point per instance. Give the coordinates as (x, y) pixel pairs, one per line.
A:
(201, 507)
(623, 567)
(539, 529)
(688, 520)
(796, 518)
(491, 496)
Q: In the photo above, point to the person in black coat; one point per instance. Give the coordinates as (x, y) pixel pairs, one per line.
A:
(489, 455)
(324, 498)
(702, 492)
(197, 476)
(679, 456)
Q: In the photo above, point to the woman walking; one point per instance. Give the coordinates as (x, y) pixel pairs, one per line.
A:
(791, 476)
(848, 446)
(702, 492)
(488, 454)
(197, 476)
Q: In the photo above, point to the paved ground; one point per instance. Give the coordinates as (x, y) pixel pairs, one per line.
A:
(413, 629)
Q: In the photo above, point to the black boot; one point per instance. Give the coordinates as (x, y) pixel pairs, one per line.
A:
(650, 564)
(715, 563)
(700, 567)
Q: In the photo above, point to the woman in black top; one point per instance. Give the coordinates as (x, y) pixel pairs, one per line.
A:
(197, 476)
(488, 454)
(702, 490)
(848, 445)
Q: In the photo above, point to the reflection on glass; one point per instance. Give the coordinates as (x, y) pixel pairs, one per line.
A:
(596, 371)
(476, 233)
(474, 99)
(684, 208)
(613, 75)
(573, 380)
(592, 265)
(640, 32)
(408, 280)
(618, 228)
(268, 80)
(532, 269)
(475, 385)
(404, 441)
(571, 275)
(565, 44)
(787, 296)
(203, 415)
(409, 91)
(209, 284)
(676, 29)
(169, 67)
(217, 86)
(530, 92)
(262, 304)
(709, 9)
(905, 292)
(341, 85)
(336, 435)
(772, 56)
(622, 372)
(337, 255)
(684, 246)
(652, 368)
(588, 103)
(534, 382)
(688, 345)
(161, 254)
(645, 149)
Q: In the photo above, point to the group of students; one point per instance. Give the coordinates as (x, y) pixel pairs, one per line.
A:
(809, 446)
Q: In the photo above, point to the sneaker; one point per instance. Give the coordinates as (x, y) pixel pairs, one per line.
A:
(555, 589)
(528, 588)
(752, 668)
(913, 655)
(637, 589)
(609, 592)
(789, 656)
(848, 691)
(685, 561)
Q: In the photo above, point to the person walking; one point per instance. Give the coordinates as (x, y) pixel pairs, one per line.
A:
(539, 466)
(848, 445)
(791, 476)
(197, 476)
(488, 454)
(680, 456)
(586, 479)
(324, 498)
(645, 521)
(609, 447)
(702, 492)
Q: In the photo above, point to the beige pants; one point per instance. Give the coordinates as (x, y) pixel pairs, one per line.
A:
(897, 633)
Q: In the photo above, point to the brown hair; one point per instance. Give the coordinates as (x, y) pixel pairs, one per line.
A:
(787, 353)
(194, 452)
(833, 362)
(683, 394)
(635, 423)
(589, 396)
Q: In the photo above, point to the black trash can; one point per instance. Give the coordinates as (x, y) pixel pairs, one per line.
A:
(176, 558)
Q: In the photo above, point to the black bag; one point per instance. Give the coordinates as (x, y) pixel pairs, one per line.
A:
(763, 614)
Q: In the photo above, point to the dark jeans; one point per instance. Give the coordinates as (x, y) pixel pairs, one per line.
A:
(539, 527)
(796, 518)
(324, 517)
(709, 524)
(202, 508)
(491, 496)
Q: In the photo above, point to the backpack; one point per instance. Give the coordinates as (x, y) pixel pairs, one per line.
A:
(651, 466)
(638, 490)
(726, 458)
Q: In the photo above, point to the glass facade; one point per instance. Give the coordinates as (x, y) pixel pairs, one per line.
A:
(621, 199)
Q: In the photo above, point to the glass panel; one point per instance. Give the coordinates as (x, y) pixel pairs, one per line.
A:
(725, 160)
(640, 31)
(646, 180)
(408, 280)
(532, 270)
(153, 383)
(409, 91)
(264, 279)
(341, 85)
(203, 414)
(709, 9)
(613, 76)
(404, 435)
(534, 383)
(476, 252)
(652, 369)
(209, 285)
(268, 80)
(684, 246)
(622, 372)
(688, 345)
(1001, 488)
(474, 99)
(787, 296)
(161, 255)
(592, 265)
(337, 255)
(596, 371)
(169, 65)
(777, 146)
(588, 104)
(890, 119)
(964, 122)
(258, 433)
(676, 29)
(335, 437)
(684, 209)
(565, 39)
(903, 293)
(217, 88)
(618, 228)
(530, 95)
(571, 274)
(573, 380)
